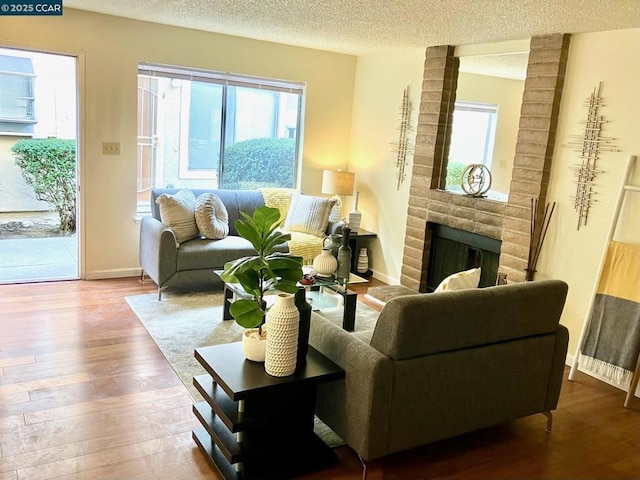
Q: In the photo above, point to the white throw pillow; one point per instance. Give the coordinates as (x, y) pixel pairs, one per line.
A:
(212, 217)
(460, 281)
(177, 212)
(308, 214)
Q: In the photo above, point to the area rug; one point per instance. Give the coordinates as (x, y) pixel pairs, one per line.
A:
(182, 322)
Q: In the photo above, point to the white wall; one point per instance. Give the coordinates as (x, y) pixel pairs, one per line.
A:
(380, 83)
(569, 254)
(110, 49)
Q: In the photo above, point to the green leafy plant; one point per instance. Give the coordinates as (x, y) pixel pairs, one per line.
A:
(259, 161)
(454, 172)
(49, 166)
(265, 270)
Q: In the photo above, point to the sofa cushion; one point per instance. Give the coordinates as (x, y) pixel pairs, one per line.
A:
(177, 212)
(460, 281)
(201, 253)
(308, 214)
(212, 217)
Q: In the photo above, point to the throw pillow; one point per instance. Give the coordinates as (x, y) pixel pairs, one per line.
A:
(308, 214)
(460, 281)
(177, 212)
(212, 217)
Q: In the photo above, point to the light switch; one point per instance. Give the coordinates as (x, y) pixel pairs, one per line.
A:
(111, 148)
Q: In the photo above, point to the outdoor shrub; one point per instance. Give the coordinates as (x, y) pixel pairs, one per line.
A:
(49, 166)
(260, 161)
(454, 171)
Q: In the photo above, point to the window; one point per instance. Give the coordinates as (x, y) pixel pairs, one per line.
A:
(202, 129)
(16, 90)
(473, 137)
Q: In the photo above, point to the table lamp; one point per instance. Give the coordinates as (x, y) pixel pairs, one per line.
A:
(337, 183)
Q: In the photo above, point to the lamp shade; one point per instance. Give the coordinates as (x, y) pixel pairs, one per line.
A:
(337, 182)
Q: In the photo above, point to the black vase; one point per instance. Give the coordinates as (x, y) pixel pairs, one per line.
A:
(304, 308)
(344, 258)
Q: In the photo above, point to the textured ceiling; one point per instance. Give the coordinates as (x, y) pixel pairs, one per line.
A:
(368, 26)
(507, 65)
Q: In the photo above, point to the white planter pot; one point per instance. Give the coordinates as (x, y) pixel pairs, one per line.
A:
(283, 320)
(254, 345)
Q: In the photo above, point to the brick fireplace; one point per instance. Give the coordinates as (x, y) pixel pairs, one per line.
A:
(507, 222)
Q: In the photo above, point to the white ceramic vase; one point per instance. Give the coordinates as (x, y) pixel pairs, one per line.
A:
(363, 261)
(355, 216)
(254, 345)
(283, 321)
(325, 264)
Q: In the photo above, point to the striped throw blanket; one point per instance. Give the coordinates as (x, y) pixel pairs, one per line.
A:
(612, 341)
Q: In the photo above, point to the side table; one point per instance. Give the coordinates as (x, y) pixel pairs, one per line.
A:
(255, 426)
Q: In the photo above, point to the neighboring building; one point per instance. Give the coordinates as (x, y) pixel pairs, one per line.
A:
(37, 100)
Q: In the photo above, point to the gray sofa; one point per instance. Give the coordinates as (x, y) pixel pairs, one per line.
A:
(440, 365)
(191, 265)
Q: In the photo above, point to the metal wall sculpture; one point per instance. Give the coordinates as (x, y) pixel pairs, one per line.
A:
(403, 147)
(589, 145)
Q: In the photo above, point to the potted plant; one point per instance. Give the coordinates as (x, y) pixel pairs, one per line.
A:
(267, 270)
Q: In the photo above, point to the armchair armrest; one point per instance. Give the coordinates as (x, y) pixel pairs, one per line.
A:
(357, 408)
(557, 367)
(158, 252)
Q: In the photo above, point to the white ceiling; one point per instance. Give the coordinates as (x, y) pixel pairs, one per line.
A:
(368, 26)
(507, 65)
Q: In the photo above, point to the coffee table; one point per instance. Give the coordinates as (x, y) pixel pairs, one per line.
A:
(324, 293)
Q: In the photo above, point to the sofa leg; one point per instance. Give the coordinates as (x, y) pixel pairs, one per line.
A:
(160, 289)
(549, 421)
(141, 276)
(364, 467)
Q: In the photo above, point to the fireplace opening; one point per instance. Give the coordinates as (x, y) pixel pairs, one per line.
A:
(453, 250)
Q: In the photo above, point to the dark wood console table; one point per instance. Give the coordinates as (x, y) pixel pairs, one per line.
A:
(255, 426)
(357, 240)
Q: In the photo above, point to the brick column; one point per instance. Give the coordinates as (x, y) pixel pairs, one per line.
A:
(534, 148)
(432, 138)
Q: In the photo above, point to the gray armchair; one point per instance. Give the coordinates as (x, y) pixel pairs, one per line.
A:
(440, 365)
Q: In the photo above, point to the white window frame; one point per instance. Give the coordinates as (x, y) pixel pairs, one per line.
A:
(30, 113)
(228, 79)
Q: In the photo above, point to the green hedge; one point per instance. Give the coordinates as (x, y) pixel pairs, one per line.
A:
(260, 161)
(454, 171)
(49, 166)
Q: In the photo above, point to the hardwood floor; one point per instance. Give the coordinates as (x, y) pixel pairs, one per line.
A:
(86, 394)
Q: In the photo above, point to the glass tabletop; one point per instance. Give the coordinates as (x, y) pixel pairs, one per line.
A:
(319, 281)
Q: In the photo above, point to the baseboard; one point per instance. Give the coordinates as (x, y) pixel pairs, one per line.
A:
(374, 300)
(385, 278)
(569, 360)
(114, 273)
